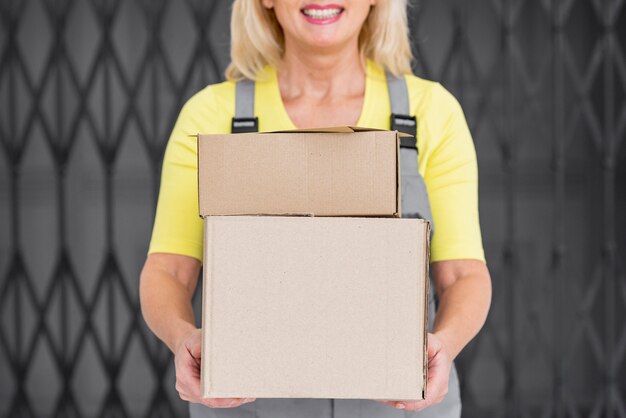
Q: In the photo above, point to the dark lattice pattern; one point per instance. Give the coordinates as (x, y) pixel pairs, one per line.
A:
(89, 91)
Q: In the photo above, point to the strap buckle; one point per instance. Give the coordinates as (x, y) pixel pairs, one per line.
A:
(404, 123)
(408, 125)
(408, 142)
(243, 125)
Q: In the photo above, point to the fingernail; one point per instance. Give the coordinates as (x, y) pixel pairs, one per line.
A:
(400, 405)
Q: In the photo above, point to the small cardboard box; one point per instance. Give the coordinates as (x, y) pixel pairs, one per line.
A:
(314, 307)
(342, 171)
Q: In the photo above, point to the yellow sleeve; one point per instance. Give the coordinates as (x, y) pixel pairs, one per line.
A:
(451, 177)
(178, 227)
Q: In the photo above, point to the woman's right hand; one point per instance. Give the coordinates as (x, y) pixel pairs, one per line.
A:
(187, 360)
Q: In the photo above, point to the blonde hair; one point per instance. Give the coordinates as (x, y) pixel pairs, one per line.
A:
(257, 38)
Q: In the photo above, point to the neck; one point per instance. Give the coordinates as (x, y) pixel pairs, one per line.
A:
(321, 75)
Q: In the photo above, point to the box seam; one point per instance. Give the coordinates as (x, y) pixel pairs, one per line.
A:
(426, 300)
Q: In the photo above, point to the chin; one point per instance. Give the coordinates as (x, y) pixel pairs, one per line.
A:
(323, 42)
(324, 45)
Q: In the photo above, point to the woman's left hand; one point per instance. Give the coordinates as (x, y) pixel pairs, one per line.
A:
(439, 365)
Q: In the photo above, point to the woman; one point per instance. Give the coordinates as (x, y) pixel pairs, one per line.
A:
(320, 64)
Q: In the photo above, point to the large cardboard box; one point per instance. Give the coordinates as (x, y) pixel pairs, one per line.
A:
(342, 171)
(314, 307)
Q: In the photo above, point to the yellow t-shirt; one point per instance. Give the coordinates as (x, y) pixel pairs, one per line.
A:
(447, 159)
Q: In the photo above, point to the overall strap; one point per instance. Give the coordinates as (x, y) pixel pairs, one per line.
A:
(244, 120)
(401, 119)
(414, 194)
(415, 201)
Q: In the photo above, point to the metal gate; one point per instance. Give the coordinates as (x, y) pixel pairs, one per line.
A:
(89, 92)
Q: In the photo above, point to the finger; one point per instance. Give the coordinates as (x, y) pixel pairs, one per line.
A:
(438, 376)
(386, 402)
(188, 366)
(189, 384)
(393, 404)
(194, 345)
(417, 405)
(435, 393)
(185, 362)
(224, 402)
(186, 395)
(433, 346)
(437, 386)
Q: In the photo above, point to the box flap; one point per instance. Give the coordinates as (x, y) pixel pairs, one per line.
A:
(335, 129)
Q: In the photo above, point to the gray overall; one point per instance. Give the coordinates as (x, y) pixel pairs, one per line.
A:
(414, 204)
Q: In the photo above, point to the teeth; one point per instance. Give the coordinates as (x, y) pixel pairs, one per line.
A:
(321, 13)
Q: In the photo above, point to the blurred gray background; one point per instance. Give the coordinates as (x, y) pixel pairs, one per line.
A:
(89, 92)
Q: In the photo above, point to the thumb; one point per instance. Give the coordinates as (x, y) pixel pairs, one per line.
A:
(193, 344)
(434, 346)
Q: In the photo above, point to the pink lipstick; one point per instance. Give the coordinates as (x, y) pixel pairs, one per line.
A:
(322, 15)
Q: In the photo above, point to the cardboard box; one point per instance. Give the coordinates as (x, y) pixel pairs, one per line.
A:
(314, 307)
(342, 171)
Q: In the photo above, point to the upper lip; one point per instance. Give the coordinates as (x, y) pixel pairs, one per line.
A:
(322, 6)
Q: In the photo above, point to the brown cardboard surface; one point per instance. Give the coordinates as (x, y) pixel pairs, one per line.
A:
(338, 173)
(314, 307)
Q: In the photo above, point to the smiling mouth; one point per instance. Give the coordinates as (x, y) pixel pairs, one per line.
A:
(322, 14)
